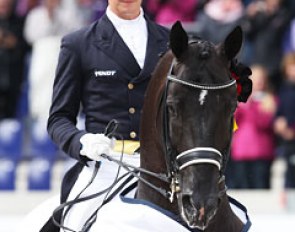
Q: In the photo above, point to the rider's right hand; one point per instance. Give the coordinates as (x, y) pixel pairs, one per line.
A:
(93, 145)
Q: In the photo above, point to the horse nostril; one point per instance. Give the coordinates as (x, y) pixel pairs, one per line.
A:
(197, 212)
(191, 204)
(187, 203)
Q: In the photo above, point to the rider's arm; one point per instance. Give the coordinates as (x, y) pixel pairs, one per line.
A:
(66, 99)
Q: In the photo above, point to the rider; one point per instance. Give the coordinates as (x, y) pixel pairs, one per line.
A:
(105, 68)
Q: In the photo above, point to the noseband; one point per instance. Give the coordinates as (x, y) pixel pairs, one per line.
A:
(197, 155)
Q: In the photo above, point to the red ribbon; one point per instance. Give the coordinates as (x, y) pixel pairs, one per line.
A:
(239, 86)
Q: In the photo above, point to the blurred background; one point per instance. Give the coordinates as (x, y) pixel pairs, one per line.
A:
(261, 171)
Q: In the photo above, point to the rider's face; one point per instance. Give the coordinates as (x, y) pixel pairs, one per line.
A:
(126, 9)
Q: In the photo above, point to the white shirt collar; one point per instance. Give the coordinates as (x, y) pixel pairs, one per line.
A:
(133, 32)
(117, 21)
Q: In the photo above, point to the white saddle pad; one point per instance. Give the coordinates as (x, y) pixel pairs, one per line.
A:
(128, 215)
(133, 215)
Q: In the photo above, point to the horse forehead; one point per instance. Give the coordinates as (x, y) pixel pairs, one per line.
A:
(209, 70)
(203, 46)
(201, 43)
(204, 58)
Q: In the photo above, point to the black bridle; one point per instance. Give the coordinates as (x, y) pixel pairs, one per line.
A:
(192, 156)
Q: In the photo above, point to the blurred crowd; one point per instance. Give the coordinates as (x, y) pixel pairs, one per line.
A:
(30, 34)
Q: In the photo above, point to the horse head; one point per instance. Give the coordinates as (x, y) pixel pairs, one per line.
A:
(186, 128)
(201, 98)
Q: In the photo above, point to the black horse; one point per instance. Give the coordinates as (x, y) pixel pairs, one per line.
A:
(186, 131)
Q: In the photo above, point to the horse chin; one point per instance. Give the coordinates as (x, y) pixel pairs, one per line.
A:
(194, 218)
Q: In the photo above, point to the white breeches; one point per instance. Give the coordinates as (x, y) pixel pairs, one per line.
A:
(80, 212)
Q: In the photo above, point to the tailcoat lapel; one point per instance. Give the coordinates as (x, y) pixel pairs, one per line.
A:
(156, 46)
(109, 41)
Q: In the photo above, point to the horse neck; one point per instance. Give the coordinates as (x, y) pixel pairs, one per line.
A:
(151, 140)
(152, 152)
(225, 219)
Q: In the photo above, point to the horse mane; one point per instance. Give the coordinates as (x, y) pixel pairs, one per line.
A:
(159, 75)
(149, 130)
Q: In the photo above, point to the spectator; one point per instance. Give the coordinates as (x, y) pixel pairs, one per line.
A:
(167, 12)
(87, 11)
(12, 52)
(289, 40)
(253, 143)
(48, 19)
(218, 19)
(23, 7)
(290, 5)
(265, 25)
(246, 2)
(44, 27)
(285, 118)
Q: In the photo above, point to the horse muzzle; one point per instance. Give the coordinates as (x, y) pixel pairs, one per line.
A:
(197, 214)
(198, 198)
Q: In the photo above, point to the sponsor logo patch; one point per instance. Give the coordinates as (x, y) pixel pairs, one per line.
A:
(107, 73)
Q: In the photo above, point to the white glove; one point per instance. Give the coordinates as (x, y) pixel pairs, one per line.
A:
(93, 145)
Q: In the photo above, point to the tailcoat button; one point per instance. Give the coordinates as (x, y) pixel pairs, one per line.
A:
(132, 135)
(130, 86)
(131, 110)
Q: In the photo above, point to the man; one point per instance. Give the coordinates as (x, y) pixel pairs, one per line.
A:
(105, 68)
(12, 53)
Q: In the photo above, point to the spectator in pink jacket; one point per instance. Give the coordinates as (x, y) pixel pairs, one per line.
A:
(167, 12)
(253, 143)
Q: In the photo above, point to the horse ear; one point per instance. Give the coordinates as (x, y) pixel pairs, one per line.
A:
(178, 39)
(233, 43)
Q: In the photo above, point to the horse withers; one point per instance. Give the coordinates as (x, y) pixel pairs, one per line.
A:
(186, 131)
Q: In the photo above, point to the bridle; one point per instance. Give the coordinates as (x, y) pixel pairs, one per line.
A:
(197, 155)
